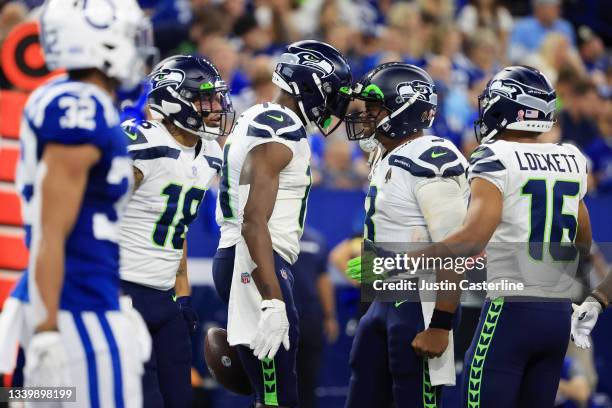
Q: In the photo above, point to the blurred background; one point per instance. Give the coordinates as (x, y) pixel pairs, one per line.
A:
(461, 43)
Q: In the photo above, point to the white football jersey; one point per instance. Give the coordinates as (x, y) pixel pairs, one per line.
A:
(542, 185)
(393, 214)
(265, 123)
(157, 218)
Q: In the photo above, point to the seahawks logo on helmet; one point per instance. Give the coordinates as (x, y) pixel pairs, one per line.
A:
(524, 94)
(425, 91)
(166, 77)
(314, 60)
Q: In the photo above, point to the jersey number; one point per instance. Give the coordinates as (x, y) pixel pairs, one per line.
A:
(370, 232)
(557, 224)
(191, 201)
(79, 113)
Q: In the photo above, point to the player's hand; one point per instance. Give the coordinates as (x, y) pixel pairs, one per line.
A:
(46, 361)
(272, 330)
(430, 343)
(189, 314)
(583, 320)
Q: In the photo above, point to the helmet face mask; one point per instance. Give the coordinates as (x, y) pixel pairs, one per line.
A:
(189, 92)
(319, 79)
(362, 123)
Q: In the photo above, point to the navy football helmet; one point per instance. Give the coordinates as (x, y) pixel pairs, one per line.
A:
(189, 92)
(319, 78)
(516, 98)
(405, 92)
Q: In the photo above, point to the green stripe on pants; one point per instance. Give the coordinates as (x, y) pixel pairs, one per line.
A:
(429, 392)
(480, 352)
(269, 381)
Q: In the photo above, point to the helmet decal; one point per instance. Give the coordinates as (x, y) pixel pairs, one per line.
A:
(102, 18)
(167, 77)
(524, 94)
(425, 91)
(315, 60)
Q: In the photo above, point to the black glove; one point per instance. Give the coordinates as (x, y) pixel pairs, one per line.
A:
(190, 315)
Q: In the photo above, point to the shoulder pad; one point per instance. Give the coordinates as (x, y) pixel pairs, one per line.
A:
(430, 157)
(485, 160)
(274, 121)
(72, 113)
(138, 132)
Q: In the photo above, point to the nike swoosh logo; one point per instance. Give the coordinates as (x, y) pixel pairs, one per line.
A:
(276, 118)
(132, 136)
(399, 302)
(174, 298)
(435, 155)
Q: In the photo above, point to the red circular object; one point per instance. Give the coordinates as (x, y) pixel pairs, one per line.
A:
(33, 56)
(22, 58)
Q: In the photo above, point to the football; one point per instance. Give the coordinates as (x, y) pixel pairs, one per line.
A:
(224, 363)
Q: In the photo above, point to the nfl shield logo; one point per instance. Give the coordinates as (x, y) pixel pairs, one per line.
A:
(245, 277)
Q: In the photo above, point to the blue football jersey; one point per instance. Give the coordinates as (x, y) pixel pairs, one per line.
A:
(75, 113)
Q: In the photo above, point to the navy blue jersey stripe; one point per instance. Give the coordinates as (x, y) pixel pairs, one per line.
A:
(214, 163)
(488, 167)
(155, 153)
(410, 166)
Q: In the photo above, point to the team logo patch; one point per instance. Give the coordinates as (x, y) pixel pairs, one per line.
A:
(245, 277)
(283, 273)
(226, 361)
(422, 89)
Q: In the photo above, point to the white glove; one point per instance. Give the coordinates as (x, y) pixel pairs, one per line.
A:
(137, 323)
(272, 330)
(583, 320)
(46, 361)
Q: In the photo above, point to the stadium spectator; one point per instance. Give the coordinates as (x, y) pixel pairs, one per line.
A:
(223, 54)
(574, 389)
(529, 32)
(255, 40)
(554, 53)
(485, 14)
(582, 109)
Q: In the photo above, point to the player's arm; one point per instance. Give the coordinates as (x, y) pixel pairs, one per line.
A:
(182, 290)
(327, 298)
(181, 286)
(442, 217)
(138, 177)
(62, 188)
(265, 164)
(483, 216)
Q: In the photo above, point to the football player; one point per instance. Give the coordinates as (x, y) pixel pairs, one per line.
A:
(418, 193)
(176, 158)
(261, 210)
(75, 177)
(526, 207)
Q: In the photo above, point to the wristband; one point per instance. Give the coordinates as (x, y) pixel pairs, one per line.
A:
(441, 320)
(600, 298)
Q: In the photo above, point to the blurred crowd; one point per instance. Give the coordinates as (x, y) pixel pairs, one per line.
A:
(461, 43)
